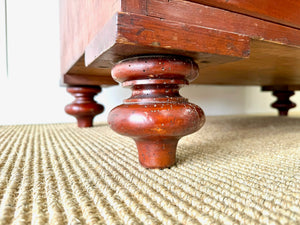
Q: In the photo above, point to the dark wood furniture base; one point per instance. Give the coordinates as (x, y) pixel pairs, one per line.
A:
(245, 42)
(84, 108)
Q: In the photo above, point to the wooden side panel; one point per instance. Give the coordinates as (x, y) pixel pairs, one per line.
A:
(136, 34)
(193, 13)
(80, 21)
(286, 12)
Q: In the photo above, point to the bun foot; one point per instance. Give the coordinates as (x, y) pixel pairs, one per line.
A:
(156, 116)
(84, 108)
(283, 102)
(157, 153)
(283, 93)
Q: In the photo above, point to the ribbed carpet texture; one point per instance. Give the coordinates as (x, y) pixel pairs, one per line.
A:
(235, 170)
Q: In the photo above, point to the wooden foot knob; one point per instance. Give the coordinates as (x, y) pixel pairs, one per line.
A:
(84, 108)
(156, 116)
(157, 153)
(283, 102)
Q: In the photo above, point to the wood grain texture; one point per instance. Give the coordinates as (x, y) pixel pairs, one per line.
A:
(268, 64)
(130, 34)
(197, 14)
(156, 116)
(80, 21)
(135, 6)
(286, 12)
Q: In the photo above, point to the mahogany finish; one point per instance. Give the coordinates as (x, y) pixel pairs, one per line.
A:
(84, 108)
(237, 42)
(79, 74)
(156, 116)
(80, 20)
(286, 12)
(283, 102)
(239, 49)
(209, 17)
(126, 35)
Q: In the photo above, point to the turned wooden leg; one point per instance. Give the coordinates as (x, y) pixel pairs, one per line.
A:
(84, 108)
(156, 116)
(283, 102)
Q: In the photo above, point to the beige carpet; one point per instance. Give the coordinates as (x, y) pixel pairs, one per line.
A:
(236, 170)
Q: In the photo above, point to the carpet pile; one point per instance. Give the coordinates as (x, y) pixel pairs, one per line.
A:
(235, 170)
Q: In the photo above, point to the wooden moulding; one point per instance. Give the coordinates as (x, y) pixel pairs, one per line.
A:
(156, 116)
(219, 19)
(286, 12)
(131, 34)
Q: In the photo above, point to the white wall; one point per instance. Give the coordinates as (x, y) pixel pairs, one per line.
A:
(2, 39)
(31, 93)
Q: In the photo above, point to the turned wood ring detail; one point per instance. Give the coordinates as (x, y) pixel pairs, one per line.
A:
(84, 108)
(283, 103)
